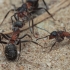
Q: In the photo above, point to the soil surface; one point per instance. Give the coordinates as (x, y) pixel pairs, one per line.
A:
(35, 57)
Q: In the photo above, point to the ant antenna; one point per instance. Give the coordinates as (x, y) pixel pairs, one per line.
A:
(42, 29)
(42, 37)
(13, 4)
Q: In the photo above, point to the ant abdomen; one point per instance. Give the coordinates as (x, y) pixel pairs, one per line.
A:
(11, 52)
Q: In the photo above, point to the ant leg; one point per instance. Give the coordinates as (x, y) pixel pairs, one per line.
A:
(36, 43)
(8, 36)
(16, 18)
(45, 5)
(12, 19)
(47, 12)
(20, 46)
(36, 27)
(3, 42)
(42, 29)
(47, 9)
(6, 15)
(32, 30)
(52, 46)
(25, 36)
(3, 46)
(42, 37)
(19, 49)
(32, 27)
(29, 22)
(5, 36)
(32, 42)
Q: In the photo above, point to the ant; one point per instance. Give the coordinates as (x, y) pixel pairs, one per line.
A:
(25, 11)
(11, 48)
(58, 36)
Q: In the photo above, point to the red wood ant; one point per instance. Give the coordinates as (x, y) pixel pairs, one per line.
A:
(25, 11)
(11, 49)
(58, 35)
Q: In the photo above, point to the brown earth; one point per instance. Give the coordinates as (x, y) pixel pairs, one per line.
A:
(34, 57)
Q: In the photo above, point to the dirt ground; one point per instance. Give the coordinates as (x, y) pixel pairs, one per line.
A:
(34, 57)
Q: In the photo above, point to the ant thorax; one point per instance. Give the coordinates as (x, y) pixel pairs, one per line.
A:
(59, 39)
(59, 36)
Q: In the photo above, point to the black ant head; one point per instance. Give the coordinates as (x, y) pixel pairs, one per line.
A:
(54, 33)
(22, 8)
(18, 24)
(11, 52)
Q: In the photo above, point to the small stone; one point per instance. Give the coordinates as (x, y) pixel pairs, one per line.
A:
(48, 64)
